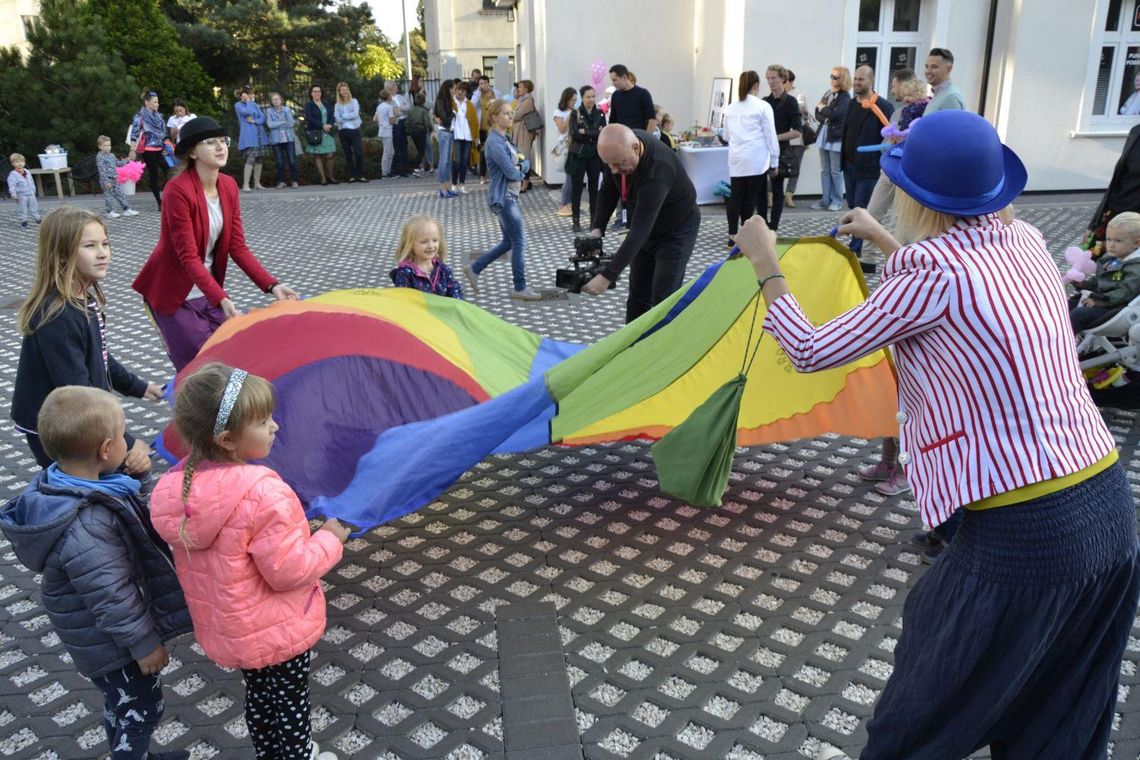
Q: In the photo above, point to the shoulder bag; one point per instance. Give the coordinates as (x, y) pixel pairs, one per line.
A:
(532, 120)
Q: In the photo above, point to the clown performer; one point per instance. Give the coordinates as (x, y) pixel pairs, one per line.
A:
(1014, 638)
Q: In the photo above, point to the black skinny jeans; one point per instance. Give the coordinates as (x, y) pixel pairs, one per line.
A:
(749, 196)
(589, 169)
(155, 163)
(353, 155)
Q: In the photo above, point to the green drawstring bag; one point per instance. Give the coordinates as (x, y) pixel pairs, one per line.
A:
(694, 459)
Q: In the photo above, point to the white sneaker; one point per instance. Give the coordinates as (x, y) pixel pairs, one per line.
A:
(130, 212)
(113, 214)
(463, 189)
(526, 294)
(827, 752)
(418, 173)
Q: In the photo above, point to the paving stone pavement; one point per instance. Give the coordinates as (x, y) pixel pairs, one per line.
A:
(751, 631)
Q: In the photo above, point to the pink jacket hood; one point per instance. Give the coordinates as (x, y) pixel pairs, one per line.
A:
(250, 568)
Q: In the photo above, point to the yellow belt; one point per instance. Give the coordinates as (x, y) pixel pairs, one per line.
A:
(1046, 487)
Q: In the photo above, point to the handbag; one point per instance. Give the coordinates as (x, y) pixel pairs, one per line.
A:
(532, 120)
(314, 136)
(810, 130)
(789, 165)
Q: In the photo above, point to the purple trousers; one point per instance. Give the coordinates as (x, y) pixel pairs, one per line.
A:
(184, 331)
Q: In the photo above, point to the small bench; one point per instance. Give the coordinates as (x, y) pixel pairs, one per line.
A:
(57, 173)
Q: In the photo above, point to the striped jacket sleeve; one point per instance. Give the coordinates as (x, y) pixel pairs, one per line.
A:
(907, 303)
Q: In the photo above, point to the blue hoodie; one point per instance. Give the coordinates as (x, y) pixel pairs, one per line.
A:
(108, 584)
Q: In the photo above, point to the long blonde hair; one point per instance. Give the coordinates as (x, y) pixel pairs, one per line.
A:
(915, 222)
(345, 86)
(196, 407)
(56, 284)
(408, 237)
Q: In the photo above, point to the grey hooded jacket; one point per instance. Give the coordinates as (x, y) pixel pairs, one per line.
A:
(108, 586)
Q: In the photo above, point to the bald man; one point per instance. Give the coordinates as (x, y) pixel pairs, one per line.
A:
(866, 117)
(659, 204)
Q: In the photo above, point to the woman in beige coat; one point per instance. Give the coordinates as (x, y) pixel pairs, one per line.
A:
(522, 137)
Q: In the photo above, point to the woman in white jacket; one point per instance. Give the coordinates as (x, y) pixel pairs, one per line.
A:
(753, 152)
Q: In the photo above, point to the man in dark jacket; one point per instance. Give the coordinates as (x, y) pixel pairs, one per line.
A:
(661, 205)
(108, 584)
(866, 117)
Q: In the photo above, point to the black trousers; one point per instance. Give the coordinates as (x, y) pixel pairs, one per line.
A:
(353, 153)
(590, 171)
(776, 186)
(155, 163)
(277, 710)
(658, 269)
(749, 196)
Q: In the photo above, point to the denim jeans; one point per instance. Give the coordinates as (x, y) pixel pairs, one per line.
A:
(514, 240)
(286, 154)
(858, 196)
(831, 177)
(353, 155)
(400, 157)
(443, 169)
(420, 140)
(658, 269)
(749, 196)
(459, 165)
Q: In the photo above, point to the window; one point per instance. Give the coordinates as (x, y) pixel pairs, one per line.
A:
(890, 33)
(1115, 79)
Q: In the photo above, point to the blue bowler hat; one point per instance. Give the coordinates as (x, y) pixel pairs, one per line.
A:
(954, 162)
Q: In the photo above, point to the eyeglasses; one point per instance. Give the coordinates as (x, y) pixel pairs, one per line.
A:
(214, 142)
(835, 76)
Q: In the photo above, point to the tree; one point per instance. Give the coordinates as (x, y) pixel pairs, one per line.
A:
(152, 51)
(377, 62)
(280, 44)
(73, 87)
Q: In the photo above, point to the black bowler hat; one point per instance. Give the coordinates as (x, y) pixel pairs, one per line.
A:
(195, 131)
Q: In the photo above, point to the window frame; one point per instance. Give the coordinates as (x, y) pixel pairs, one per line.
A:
(885, 39)
(1111, 122)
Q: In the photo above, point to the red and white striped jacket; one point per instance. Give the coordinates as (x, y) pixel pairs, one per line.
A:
(991, 397)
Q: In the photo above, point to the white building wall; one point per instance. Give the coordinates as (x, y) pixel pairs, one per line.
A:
(1047, 65)
(1038, 73)
(461, 30)
(557, 47)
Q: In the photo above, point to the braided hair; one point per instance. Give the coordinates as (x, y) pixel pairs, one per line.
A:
(196, 407)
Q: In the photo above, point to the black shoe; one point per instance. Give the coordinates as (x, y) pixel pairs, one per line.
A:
(577, 227)
(926, 540)
(930, 556)
(731, 243)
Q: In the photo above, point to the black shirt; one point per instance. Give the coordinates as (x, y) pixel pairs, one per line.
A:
(863, 127)
(786, 115)
(661, 200)
(632, 107)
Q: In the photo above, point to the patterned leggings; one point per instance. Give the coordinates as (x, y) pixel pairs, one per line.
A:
(132, 708)
(277, 710)
(113, 192)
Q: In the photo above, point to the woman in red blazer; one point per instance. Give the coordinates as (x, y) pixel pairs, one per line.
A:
(181, 282)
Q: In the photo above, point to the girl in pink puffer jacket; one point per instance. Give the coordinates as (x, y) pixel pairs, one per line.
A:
(249, 567)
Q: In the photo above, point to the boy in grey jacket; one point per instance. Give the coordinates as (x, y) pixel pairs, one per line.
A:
(108, 585)
(106, 162)
(1117, 278)
(22, 187)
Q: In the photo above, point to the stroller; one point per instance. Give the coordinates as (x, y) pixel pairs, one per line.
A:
(1108, 352)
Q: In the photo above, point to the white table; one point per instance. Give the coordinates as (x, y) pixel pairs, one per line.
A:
(706, 167)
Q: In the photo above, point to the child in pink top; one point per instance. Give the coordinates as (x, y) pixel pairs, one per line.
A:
(248, 564)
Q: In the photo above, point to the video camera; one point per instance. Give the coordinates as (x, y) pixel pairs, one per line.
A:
(589, 260)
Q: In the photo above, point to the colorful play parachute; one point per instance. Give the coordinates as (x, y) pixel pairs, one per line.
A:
(387, 396)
